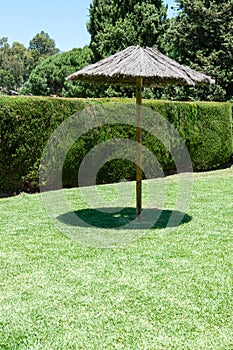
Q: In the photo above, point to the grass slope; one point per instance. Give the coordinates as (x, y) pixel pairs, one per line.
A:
(163, 291)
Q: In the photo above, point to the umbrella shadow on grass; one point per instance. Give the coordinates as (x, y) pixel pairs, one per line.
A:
(124, 218)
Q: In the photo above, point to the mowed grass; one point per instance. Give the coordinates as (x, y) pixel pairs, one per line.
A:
(165, 290)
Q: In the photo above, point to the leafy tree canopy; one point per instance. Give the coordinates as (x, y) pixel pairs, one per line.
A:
(116, 24)
(201, 36)
(48, 78)
(15, 64)
(44, 44)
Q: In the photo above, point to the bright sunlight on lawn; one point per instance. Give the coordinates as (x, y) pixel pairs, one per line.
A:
(163, 291)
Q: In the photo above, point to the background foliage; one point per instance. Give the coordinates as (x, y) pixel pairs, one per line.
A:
(17, 62)
(45, 45)
(200, 36)
(116, 24)
(48, 78)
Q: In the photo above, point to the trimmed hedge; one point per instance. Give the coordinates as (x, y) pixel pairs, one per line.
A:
(26, 123)
(206, 128)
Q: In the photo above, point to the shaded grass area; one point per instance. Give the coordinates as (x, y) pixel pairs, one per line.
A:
(164, 291)
(121, 217)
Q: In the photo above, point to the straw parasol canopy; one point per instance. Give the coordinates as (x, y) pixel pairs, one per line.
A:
(136, 66)
(156, 69)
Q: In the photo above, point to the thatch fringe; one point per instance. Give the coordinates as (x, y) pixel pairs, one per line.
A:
(155, 68)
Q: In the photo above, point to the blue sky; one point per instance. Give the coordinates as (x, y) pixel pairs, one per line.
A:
(64, 21)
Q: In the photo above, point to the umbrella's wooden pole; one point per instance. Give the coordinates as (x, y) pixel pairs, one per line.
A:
(139, 149)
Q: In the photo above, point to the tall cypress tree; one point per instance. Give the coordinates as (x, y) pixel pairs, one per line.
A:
(201, 36)
(117, 24)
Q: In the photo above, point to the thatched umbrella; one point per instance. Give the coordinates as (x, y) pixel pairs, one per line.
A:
(137, 66)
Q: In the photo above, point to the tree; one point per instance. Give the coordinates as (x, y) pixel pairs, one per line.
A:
(44, 44)
(4, 43)
(17, 62)
(14, 61)
(201, 36)
(48, 78)
(116, 24)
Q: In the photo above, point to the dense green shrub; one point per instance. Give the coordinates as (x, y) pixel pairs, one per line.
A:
(206, 128)
(26, 123)
(48, 77)
(118, 168)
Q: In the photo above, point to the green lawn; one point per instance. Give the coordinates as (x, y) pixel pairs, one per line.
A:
(165, 290)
